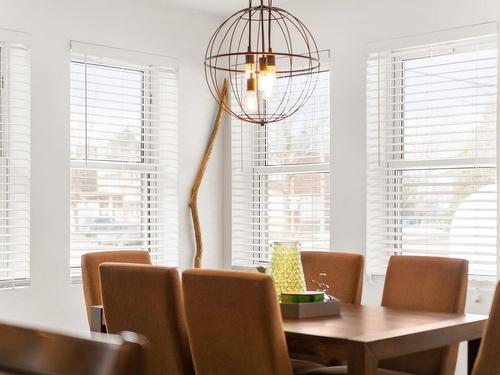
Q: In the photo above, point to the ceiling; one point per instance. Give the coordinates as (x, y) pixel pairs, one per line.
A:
(218, 7)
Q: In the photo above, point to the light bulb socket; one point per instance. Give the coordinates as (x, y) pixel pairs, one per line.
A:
(263, 63)
(249, 58)
(251, 85)
(271, 60)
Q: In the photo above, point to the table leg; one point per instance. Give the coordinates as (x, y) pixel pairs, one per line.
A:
(362, 361)
(472, 350)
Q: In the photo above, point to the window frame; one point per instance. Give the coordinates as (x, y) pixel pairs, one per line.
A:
(396, 166)
(145, 166)
(260, 182)
(4, 186)
(9, 206)
(260, 189)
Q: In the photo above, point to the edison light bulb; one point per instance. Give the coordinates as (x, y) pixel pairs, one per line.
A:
(248, 70)
(251, 97)
(265, 85)
(249, 65)
(271, 69)
(267, 76)
(251, 101)
(271, 74)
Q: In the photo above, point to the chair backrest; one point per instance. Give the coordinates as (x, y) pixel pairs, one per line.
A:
(90, 272)
(344, 273)
(148, 300)
(234, 323)
(428, 284)
(25, 351)
(488, 358)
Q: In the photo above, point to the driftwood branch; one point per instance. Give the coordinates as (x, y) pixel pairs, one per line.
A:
(193, 202)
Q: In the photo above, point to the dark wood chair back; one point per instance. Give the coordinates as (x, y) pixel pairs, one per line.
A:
(25, 351)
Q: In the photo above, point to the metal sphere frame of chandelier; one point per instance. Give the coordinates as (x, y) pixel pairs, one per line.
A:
(271, 61)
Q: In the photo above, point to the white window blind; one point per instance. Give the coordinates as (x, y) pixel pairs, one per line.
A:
(281, 180)
(432, 154)
(123, 158)
(15, 110)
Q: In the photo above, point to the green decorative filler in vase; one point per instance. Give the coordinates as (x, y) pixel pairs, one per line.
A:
(286, 268)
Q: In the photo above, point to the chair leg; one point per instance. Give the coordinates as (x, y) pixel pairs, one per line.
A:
(472, 350)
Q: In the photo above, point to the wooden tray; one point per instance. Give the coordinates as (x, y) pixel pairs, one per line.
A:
(310, 309)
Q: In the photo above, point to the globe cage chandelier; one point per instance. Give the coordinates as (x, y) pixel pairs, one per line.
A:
(260, 49)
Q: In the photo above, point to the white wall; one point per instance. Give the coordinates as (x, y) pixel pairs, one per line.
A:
(148, 26)
(346, 26)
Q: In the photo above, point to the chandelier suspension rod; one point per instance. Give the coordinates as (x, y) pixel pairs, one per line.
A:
(270, 4)
(262, 26)
(249, 25)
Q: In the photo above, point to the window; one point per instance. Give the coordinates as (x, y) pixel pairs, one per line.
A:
(432, 154)
(14, 165)
(123, 159)
(281, 180)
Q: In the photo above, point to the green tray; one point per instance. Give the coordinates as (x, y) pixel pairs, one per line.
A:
(302, 297)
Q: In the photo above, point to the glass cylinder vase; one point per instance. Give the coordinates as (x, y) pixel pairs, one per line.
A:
(286, 268)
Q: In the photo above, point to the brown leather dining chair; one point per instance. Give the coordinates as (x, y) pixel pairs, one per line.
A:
(427, 284)
(148, 300)
(235, 325)
(488, 358)
(344, 273)
(90, 272)
(25, 351)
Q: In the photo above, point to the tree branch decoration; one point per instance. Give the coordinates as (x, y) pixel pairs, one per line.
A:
(193, 202)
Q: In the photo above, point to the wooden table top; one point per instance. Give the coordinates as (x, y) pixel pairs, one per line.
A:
(367, 324)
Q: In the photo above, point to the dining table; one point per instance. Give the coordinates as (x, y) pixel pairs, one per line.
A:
(364, 335)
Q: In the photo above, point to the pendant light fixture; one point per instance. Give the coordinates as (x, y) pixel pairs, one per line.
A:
(270, 58)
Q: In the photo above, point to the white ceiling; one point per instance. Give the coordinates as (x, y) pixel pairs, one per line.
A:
(219, 7)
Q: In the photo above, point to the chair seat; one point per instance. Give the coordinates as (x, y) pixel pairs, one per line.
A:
(342, 370)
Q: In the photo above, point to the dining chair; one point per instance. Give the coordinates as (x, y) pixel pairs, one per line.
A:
(488, 358)
(235, 326)
(344, 273)
(344, 276)
(25, 351)
(426, 283)
(90, 272)
(148, 300)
